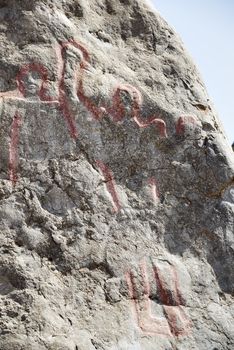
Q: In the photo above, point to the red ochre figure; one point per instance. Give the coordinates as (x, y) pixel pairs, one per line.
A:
(63, 100)
(96, 111)
(176, 322)
(172, 304)
(149, 324)
(24, 73)
(37, 86)
(183, 121)
(117, 109)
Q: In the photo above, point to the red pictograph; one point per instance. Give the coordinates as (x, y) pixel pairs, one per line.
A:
(41, 71)
(78, 77)
(116, 108)
(41, 91)
(175, 321)
(148, 323)
(152, 182)
(110, 184)
(172, 303)
(183, 122)
(96, 111)
(13, 149)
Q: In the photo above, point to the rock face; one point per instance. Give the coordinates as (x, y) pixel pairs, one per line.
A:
(117, 184)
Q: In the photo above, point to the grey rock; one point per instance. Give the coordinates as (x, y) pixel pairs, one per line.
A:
(117, 184)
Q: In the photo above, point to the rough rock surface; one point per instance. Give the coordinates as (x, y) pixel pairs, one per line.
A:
(117, 184)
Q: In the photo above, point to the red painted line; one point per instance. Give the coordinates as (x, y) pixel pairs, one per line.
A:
(80, 47)
(149, 324)
(133, 296)
(182, 122)
(172, 304)
(96, 111)
(118, 109)
(13, 149)
(63, 101)
(110, 184)
(155, 325)
(60, 62)
(154, 189)
(159, 123)
(175, 314)
(162, 291)
(147, 307)
(178, 296)
(180, 302)
(145, 278)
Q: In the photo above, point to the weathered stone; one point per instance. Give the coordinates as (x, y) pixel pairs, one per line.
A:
(117, 184)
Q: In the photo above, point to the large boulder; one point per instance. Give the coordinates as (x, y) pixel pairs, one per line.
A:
(117, 184)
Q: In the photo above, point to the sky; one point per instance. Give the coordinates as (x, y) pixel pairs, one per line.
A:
(207, 30)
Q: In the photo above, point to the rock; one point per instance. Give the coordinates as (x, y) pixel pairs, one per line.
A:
(117, 184)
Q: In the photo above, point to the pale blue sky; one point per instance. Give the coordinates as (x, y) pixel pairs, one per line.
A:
(207, 29)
